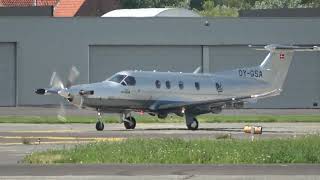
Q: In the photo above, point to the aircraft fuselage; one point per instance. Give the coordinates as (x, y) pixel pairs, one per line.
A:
(171, 87)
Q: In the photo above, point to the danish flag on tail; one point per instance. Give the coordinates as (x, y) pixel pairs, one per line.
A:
(281, 56)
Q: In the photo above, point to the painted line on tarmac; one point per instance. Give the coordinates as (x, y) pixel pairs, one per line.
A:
(43, 131)
(42, 143)
(59, 140)
(55, 142)
(64, 138)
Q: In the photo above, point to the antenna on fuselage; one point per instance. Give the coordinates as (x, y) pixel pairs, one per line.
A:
(198, 70)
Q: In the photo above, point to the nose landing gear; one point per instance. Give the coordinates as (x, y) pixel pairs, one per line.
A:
(99, 124)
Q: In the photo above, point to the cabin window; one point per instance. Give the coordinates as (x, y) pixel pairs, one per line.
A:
(197, 85)
(158, 84)
(181, 86)
(130, 81)
(168, 85)
(117, 78)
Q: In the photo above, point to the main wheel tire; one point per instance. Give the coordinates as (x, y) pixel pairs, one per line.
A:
(193, 125)
(99, 126)
(130, 123)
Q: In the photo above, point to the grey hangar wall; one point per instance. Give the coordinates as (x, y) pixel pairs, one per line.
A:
(31, 48)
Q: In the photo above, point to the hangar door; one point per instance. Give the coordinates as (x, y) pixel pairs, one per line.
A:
(301, 88)
(104, 61)
(7, 74)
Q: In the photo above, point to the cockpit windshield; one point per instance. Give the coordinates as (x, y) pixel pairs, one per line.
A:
(117, 78)
(125, 80)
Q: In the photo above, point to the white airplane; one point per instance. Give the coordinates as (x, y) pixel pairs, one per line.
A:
(184, 94)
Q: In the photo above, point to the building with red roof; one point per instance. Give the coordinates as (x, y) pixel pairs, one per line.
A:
(68, 8)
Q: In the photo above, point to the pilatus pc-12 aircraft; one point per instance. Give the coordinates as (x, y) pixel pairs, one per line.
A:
(184, 94)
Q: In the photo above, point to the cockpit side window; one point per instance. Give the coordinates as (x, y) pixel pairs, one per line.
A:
(197, 85)
(130, 81)
(117, 78)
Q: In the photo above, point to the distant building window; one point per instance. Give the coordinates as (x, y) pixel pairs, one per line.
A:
(168, 85)
(197, 85)
(158, 84)
(181, 86)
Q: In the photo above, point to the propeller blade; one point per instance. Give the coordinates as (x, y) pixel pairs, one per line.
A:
(78, 102)
(73, 75)
(62, 113)
(55, 81)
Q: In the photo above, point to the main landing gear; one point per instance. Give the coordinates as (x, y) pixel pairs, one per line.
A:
(129, 122)
(192, 123)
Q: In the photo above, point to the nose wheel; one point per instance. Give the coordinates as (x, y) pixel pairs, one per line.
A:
(129, 122)
(99, 124)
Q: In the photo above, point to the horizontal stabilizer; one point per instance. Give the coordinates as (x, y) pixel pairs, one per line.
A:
(273, 47)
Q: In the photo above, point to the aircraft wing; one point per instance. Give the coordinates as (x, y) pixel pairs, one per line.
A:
(158, 106)
(163, 106)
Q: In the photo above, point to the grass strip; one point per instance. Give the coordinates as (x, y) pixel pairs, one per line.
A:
(171, 119)
(179, 151)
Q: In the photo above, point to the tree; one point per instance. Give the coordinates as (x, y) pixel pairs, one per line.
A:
(276, 4)
(220, 7)
(311, 3)
(131, 4)
(209, 9)
(239, 4)
(196, 4)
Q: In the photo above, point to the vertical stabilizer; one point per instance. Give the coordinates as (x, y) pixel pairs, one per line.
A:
(276, 65)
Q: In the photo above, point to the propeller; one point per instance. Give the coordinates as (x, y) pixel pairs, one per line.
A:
(63, 90)
(55, 81)
(61, 115)
(73, 75)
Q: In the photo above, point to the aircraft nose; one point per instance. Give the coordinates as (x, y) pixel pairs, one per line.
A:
(64, 93)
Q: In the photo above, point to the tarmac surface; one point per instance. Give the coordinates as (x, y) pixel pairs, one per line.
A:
(19, 140)
(51, 110)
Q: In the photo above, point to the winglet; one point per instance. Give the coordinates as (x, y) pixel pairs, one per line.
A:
(196, 71)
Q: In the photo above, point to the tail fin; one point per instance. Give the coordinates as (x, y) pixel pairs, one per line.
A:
(276, 65)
